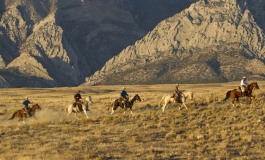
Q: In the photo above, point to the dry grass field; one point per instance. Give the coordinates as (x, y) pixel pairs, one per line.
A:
(209, 129)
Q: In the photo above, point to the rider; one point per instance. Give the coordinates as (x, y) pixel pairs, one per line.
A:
(124, 96)
(26, 103)
(78, 98)
(177, 93)
(244, 85)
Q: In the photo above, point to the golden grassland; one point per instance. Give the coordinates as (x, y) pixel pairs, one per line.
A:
(209, 129)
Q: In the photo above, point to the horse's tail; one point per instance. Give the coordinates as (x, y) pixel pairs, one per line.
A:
(159, 104)
(13, 116)
(228, 93)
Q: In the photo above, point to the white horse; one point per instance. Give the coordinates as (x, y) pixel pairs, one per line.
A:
(169, 99)
(188, 94)
(70, 109)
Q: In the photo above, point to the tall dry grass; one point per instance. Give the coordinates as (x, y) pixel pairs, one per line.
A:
(209, 129)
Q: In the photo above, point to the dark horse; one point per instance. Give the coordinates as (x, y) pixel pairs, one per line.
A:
(235, 93)
(118, 103)
(22, 113)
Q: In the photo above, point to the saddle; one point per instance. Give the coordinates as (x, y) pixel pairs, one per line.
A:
(123, 101)
(27, 112)
(242, 89)
(176, 97)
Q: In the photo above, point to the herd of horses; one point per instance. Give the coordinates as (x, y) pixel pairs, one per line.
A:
(234, 94)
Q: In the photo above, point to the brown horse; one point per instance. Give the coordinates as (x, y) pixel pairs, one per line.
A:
(22, 113)
(235, 93)
(117, 103)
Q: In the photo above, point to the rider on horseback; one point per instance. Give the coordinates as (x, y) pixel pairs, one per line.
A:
(26, 103)
(124, 97)
(177, 93)
(244, 85)
(78, 101)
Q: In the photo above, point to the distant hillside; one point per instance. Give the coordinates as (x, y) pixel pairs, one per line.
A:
(48, 43)
(211, 41)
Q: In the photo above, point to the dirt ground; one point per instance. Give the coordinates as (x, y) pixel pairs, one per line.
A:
(209, 129)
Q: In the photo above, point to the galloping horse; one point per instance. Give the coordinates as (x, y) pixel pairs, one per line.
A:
(169, 99)
(117, 103)
(71, 109)
(235, 94)
(22, 113)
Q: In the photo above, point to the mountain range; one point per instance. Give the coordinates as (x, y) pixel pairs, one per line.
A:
(51, 43)
(211, 41)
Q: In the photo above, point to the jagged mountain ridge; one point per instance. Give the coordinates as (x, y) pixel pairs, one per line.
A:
(58, 43)
(211, 41)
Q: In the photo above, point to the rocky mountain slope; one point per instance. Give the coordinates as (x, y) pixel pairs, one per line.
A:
(58, 43)
(211, 41)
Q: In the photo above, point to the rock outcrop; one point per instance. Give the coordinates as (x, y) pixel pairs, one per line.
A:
(211, 41)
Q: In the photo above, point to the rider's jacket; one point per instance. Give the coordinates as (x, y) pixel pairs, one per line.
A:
(26, 103)
(243, 82)
(124, 94)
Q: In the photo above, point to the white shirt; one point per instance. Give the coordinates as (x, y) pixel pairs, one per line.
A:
(243, 82)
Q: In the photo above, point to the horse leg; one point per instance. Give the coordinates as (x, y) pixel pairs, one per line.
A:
(180, 106)
(237, 99)
(185, 105)
(69, 110)
(68, 114)
(22, 119)
(35, 117)
(250, 98)
(125, 109)
(115, 106)
(76, 116)
(163, 108)
(233, 101)
(131, 110)
(112, 110)
(86, 114)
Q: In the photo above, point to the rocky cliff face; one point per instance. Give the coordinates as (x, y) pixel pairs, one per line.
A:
(211, 41)
(58, 42)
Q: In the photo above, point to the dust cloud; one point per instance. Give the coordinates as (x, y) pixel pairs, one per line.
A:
(47, 114)
(44, 115)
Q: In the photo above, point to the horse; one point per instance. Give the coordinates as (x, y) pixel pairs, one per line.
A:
(22, 113)
(188, 94)
(71, 109)
(235, 93)
(117, 103)
(169, 99)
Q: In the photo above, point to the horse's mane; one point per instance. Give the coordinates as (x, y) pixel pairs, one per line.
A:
(252, 84)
